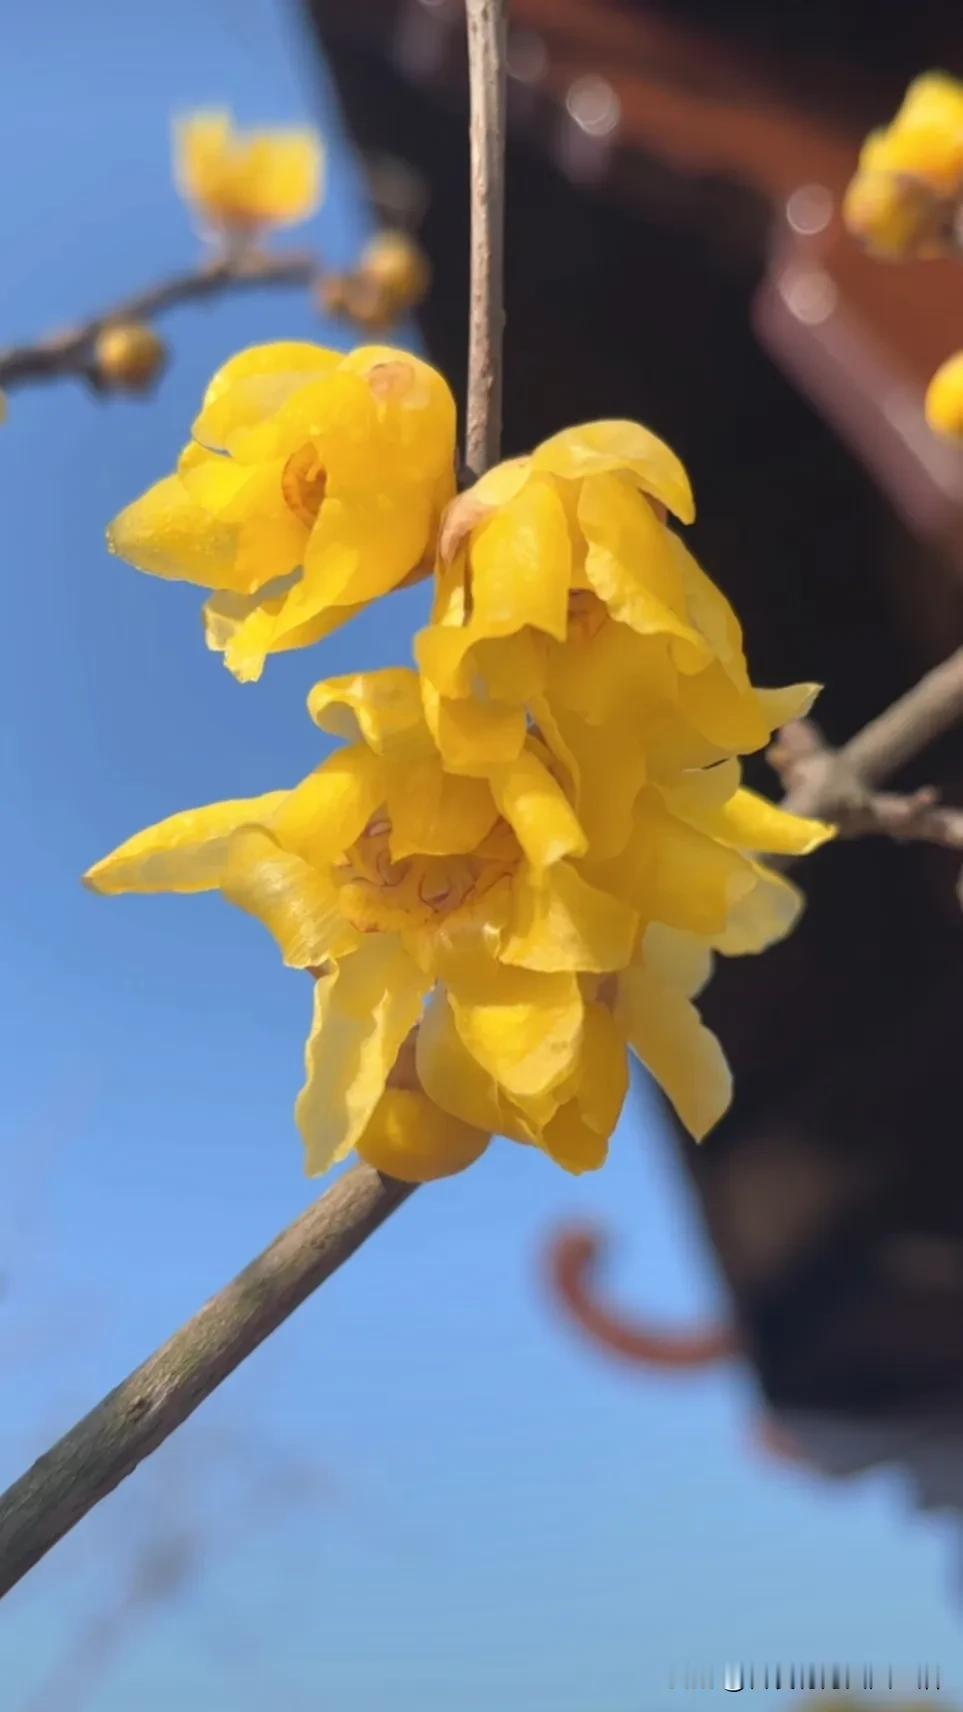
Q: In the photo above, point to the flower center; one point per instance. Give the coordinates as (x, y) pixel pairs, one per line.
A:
(378, 894)
(586, 615)
(303, 482)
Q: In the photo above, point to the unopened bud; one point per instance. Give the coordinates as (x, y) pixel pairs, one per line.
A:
(944, 398)
(398, 265)
(129, 356)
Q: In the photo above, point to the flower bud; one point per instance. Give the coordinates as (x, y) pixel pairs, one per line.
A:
(944, 398)
(129, 356)
(398, 266)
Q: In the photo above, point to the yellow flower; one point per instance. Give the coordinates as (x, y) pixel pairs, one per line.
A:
(313, 483)
(944, 398)
(910, 175)
(562, 594)
(239, 180)
(471, 952)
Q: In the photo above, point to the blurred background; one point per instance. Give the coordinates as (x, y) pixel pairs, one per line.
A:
(464, 1475)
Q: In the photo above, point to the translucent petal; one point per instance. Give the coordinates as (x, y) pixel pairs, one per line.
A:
(680, 960)
(297, 903)
(408, 1137)
(184, 853)
(595, 448)
(577, 1136)
(761, 918)
(561, 922)
(364, 1007)
(665, 1030)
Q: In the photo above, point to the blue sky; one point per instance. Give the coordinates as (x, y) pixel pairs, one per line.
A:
(424, 1493)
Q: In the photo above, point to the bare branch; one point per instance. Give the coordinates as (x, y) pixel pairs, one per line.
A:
(839, 784)
(71, 352)
(107, 1445)
(486, 71)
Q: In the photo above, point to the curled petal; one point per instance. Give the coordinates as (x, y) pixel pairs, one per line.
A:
(364, 1007)
(329, 809)
(596, 448)
(381, 708)
(537, 810)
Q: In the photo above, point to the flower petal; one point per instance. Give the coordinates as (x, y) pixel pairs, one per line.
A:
(382, 708)
(524, 1028)
(680, 960)
(455, 1080)
(297, 903)
(537, 810)
(185, 853)
(329, 809)
(561, 922)
(631, 565)
(408, 1137)
(665, 1030)
(364, 1007)
(763, 917)
(577, 1136)
(595, 448)
(673, 873)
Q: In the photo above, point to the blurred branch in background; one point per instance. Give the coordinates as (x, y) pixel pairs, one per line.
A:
(84, 352)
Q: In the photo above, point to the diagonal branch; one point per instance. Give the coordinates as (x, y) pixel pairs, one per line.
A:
(71, 352)
(107, 1445)
(841, 784)
(102, 1449)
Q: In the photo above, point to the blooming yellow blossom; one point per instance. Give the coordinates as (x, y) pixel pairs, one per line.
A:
(563, 596)
(313, 483)
(944, 398)
(479, 968)
(240, 181)
(910, 176)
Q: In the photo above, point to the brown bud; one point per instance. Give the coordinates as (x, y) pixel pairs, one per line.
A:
(129, 356)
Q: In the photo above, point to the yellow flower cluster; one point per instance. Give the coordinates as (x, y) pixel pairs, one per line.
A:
(907, 189)
(524, 855)
(240, 182)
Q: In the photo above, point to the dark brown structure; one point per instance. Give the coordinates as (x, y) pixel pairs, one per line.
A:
(674, 255)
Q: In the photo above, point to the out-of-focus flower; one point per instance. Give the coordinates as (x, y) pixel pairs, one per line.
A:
(314, 483)
(903, 197)
(474, 955)
(563, 596)
(242, 181)
(129, 356)
(944, 398)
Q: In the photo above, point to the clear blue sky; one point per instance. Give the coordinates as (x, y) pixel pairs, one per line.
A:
(486, 1515)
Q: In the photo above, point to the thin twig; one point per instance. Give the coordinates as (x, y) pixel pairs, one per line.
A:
(71, 352)
(840, 784)
(107, 1445)
(486, 71)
